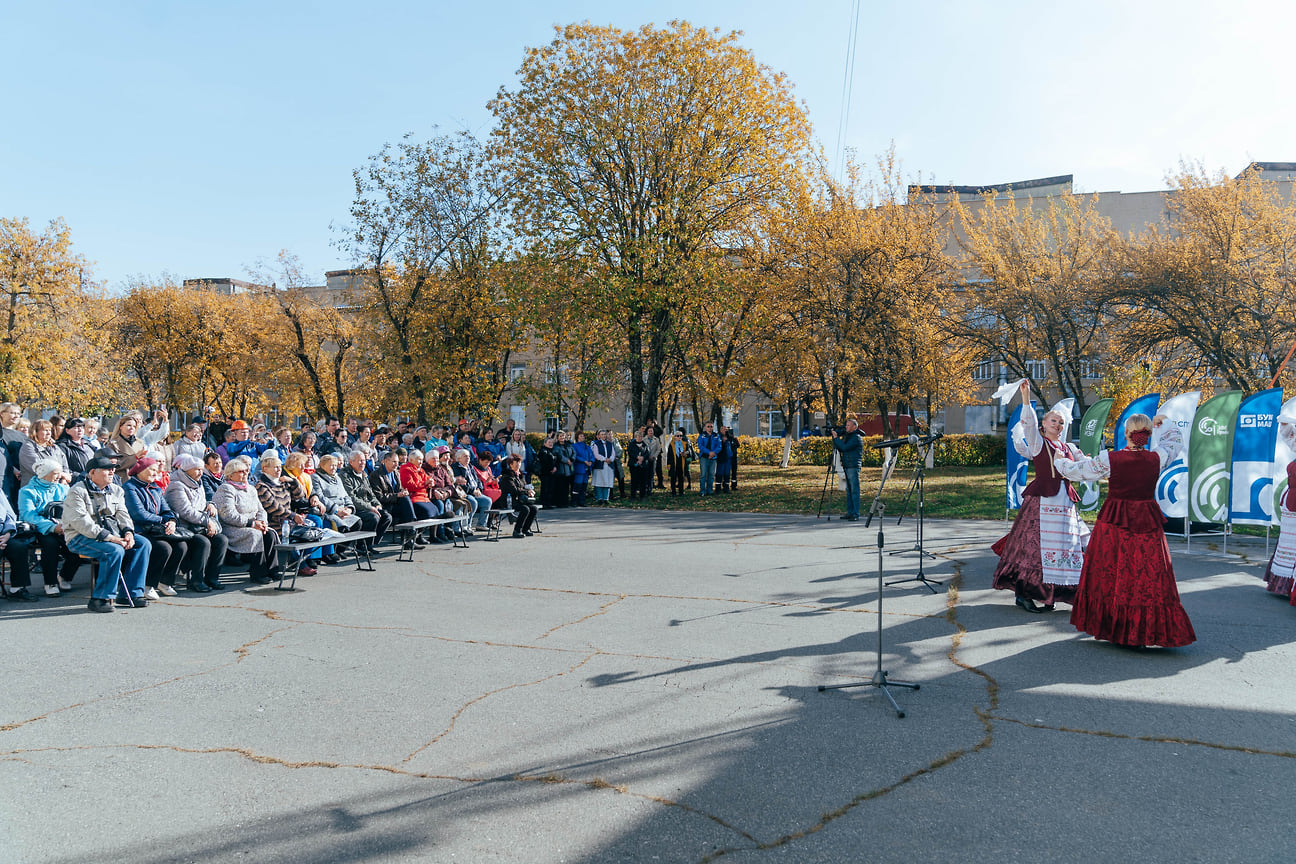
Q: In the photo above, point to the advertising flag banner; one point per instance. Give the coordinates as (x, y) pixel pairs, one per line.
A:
(1172, 485)
(1018, 465)
(1210, 457)
(1090, 442)
(1256, 431)
(1142, 405)
(1282, 456)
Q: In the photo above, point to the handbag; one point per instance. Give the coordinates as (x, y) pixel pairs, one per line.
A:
(158, 532)
(306, 534)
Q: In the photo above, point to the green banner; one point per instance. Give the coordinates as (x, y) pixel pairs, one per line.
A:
(1091, 427)
(1090, 442)
(1210, 455)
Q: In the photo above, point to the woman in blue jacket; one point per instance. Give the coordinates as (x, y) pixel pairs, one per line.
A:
(45, 488)
(584, 465)
(155, 520)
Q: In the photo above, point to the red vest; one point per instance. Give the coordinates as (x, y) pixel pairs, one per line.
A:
(1133, 475)
(1048, 482)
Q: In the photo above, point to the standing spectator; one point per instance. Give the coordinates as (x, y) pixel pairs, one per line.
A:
(850, 446)
(733, 459)
(39, 448)
(654, 445)
(10, 413)
(191, 443)
(603, 475)
(659, 435)
(517, 446)
(97, 525)
(77, 450)
(708, 449)
(547, 468)
(583, 457)
(640, 467)
(724, 461)
(677, 461)
(618, 470)
(40, 504)
(566, 469)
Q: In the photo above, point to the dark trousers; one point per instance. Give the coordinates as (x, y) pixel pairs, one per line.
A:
(376, 522)
(658, 462)
(51, 547)
(165, 559)
(15, 551)
(678, 474)
(206, 555)
(578, 490)
(641, 479)
(526, 516)
(263, 563)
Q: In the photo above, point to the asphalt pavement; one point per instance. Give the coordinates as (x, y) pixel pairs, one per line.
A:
(644, 687)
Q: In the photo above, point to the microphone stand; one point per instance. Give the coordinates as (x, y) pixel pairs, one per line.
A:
(879, 679)
(920, 474)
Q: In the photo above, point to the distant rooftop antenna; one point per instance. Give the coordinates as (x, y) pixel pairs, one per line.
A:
(848, 82)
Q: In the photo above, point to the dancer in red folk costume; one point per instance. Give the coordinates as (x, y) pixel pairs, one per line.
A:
(1127, 592)
(1280, 575)
(1041, 557)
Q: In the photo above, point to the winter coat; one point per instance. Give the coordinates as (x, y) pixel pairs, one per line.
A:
(238, 508)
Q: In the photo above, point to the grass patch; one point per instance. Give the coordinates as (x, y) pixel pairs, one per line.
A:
(951, 493)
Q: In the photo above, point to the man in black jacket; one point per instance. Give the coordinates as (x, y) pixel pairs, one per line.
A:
(851, 448)
(370, 510)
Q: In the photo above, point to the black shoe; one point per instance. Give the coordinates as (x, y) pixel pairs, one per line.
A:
(519, 534)
(214, 584)
(1047, 607)
(99, 604)
(332, 559)
(261, 580)
(1028, 604)
(529, 533)
(140, 602)
(22, 595)
(198, 587)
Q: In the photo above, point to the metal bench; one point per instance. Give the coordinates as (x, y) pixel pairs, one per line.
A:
(358, 549)
(495, 521)
(406, 531)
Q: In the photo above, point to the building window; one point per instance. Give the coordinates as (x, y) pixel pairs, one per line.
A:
(984, 371)
(684, 420)
(516, 371)
(769, 422)
(1089, 369)
(1036, 370)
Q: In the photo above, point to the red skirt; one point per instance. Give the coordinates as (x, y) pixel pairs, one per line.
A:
(1021, 566)
(1127, 593)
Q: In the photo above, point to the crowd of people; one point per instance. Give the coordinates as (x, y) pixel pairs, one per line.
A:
(158, 511)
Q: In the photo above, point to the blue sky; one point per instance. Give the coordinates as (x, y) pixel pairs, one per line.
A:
(195, 139)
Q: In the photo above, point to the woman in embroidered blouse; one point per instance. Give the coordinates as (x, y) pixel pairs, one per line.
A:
(1041, 557)
(1127, 593)
(1280, 575)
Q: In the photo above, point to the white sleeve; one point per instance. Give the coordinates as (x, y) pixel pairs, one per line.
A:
(1170, 446)
(151, 437)
(1287, 432)
(1026, 437)
(1077, 467)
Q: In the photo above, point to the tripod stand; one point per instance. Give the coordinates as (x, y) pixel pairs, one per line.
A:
(879, 678)
(917, 484)
(828, 473)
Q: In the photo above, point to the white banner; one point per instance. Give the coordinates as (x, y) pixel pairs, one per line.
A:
(1172, 485)
(1282, 456)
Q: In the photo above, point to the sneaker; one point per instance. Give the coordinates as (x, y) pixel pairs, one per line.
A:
(22, 595)
(151, 594)
(166, 590)
(52, 591)
(99, 604)
(65, 586)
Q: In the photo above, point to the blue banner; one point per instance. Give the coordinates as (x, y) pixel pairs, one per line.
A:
(1251, 492)
(1018, 465)
(1142, 405)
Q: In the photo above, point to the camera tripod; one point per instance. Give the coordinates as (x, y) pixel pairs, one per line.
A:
(917, 484)
(879, 678)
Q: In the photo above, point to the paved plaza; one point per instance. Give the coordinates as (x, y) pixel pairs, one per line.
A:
(643, 687)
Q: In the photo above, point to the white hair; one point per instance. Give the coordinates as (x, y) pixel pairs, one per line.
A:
(238, 463)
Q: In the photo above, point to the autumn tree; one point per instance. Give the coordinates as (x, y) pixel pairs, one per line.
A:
(51, 312)
(424, 225)
(315, 338)
(1034, 286)
(1212, 295)
(642, 153)
(872, 273)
